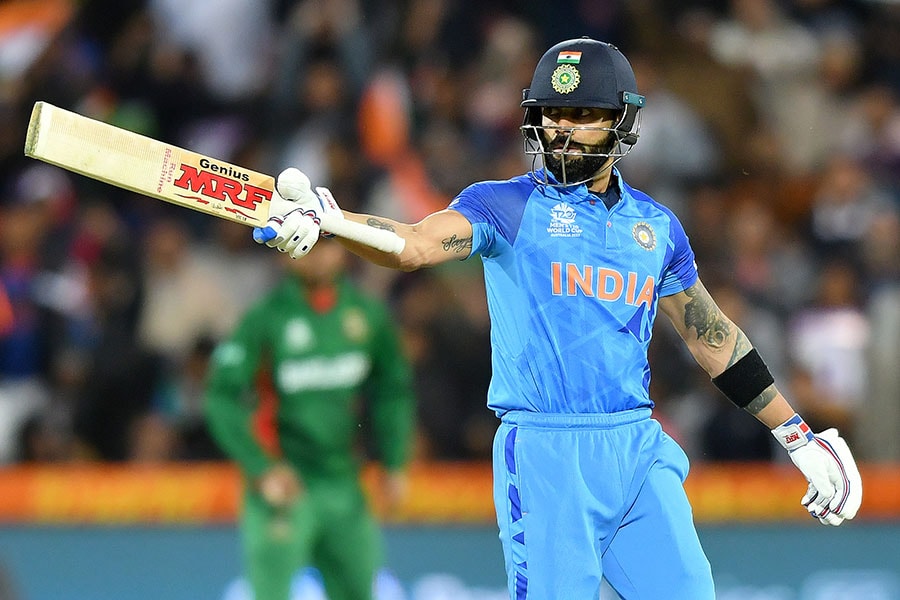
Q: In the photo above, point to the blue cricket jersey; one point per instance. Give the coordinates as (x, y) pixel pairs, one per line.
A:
(572, 290)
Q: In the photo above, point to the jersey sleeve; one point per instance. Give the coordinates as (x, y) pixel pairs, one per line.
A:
(230, 400)
(681, 270)
(473, 204)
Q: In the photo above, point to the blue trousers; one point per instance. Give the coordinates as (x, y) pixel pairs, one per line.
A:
(580, 497)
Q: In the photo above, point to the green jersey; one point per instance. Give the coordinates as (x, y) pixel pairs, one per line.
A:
(322, 364)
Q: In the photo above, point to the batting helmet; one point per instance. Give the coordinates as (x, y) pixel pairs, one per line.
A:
(584, 73)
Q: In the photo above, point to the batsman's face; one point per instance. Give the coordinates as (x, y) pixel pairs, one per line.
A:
(588, 128)
(580, 138)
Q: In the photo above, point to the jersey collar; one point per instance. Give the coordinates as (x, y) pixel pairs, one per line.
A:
(579, 194)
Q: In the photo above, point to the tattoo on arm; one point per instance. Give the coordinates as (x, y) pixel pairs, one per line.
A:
(455, 244)
(742, 346)
(702, 314)
(379, 224)
(762, 401)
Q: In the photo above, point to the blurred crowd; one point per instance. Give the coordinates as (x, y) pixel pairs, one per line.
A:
(772, 128)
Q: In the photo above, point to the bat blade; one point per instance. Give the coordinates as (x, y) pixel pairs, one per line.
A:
(147, 166)
(141, 164)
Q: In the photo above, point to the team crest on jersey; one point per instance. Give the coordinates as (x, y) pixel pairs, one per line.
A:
(565, 78)
(298, 335)
(644, 235)
(562, 222)
(355, 326)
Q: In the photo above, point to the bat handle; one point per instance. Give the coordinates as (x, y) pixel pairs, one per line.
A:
(380, 239)
(261, 235)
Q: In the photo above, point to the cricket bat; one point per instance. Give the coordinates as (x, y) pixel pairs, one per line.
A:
(153, 168)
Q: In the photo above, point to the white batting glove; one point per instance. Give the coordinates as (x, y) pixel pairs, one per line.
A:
(835, 487)
(293, 204)
(296, 214)
(293, 224)
(330, 209)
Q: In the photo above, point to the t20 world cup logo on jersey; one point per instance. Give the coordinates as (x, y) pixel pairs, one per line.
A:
(562, 222)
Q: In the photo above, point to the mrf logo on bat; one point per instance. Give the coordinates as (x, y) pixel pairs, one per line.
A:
(219, 185)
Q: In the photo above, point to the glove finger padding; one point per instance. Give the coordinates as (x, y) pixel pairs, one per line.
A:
(810, 496)
(817, 510)
(273, 234)
(809, 500)
(298, 234)
(848, 493)
(276, 233)
(831, 519)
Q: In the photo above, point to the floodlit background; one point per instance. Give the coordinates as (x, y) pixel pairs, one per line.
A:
(772, 128)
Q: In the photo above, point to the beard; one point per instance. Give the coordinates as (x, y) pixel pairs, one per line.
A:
(578, 167)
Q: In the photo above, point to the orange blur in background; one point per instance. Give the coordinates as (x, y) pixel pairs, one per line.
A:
(439, 493)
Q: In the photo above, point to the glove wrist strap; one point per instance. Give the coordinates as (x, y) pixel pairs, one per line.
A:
(329, 205)
(793, 433)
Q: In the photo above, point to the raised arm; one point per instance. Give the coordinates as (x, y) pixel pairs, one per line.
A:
(298, 215)
(440, 237)
(834, 492)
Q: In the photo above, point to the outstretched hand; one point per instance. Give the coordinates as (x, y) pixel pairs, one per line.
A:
(295, 214)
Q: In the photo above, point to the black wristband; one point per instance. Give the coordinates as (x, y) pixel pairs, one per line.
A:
(745, 380)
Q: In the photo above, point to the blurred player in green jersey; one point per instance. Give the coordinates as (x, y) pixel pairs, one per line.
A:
(323, 346)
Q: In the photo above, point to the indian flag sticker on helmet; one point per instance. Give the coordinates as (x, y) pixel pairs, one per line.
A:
(644, 235)
(565, 78)
(568, 56)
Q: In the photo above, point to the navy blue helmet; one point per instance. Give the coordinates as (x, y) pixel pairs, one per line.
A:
(582, 73)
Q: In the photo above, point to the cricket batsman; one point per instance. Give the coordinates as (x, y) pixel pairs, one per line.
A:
(577, 266)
